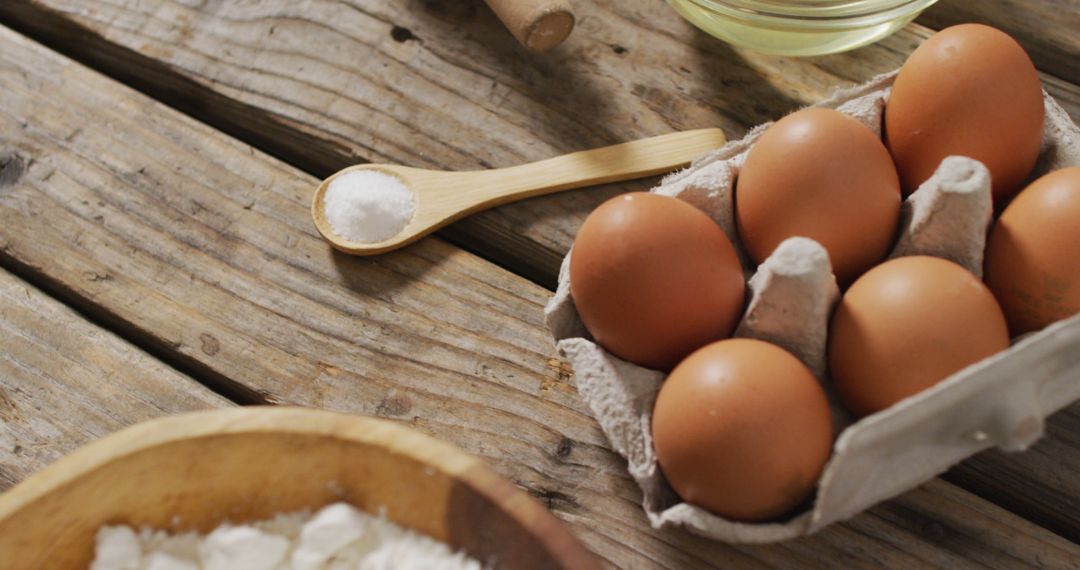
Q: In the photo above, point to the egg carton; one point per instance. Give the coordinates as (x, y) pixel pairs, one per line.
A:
(1000, 401)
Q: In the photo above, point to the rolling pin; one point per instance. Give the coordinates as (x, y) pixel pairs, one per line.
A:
(538, 24)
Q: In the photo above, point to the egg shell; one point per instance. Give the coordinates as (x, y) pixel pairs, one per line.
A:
(655, 279)
(742, 429)
(969, 90)
(906, 325)
(821, 174)
(1033, 256)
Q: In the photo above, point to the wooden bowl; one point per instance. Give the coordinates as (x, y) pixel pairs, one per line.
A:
(195, 471)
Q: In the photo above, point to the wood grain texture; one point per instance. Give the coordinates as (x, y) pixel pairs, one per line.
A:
(1040, 483)
(65, 381)
(440, 84)
(194, 241)
(457, 92)
(1048, 29)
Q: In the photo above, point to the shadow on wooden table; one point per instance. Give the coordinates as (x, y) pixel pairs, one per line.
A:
(382, 276)
(728, 69)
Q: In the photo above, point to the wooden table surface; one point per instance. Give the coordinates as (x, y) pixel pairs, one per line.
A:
(157, 159)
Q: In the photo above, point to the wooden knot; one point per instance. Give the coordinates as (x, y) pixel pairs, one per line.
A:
(933, 531)
(210, 344)
(555, 500)
(402, 34)
(394, 405)
(12, 167)
(564, 449)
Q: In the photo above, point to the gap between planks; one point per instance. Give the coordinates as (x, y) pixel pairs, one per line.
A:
(156, 347)
(65, 381)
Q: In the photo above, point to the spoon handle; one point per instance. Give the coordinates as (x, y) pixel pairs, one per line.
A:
(625, 161)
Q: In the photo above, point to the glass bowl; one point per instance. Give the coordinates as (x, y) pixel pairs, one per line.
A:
(806, 27)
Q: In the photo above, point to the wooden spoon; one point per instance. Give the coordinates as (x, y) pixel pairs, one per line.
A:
(442, 197)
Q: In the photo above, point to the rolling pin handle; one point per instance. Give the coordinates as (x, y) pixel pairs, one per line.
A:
(538, 24)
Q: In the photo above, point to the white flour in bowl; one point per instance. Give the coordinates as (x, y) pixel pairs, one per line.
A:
(338, 537)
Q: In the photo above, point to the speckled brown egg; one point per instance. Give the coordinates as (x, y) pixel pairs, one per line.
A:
(820, 174)
(969, 90)
(1033, 256)
(743, 429)
(906, 325)
(654, 279)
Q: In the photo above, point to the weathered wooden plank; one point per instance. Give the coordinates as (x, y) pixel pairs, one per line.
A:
(1047, 28)
(1040, 483)
(193, 241)
(456, 92)
(65, 381)
(441, 84)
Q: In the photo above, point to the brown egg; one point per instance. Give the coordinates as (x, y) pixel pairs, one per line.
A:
(1033, 256)
(654, 279)
(741, 428)
(906, 325)
(820, 174)
(969, 90)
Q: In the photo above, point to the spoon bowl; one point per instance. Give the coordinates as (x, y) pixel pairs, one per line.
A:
(441, 197)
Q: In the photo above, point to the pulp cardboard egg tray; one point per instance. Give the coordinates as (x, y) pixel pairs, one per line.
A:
(1000, 401)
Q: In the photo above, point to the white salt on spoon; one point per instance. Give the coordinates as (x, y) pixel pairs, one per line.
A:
(368, 206)
(375, 208)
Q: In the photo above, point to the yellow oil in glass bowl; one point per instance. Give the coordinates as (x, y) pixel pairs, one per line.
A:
(805, 27)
